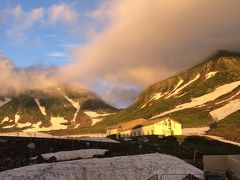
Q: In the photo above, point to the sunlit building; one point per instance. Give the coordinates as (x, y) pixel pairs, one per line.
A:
(142, 127)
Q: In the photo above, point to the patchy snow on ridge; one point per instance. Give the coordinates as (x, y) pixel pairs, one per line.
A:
(176, 91)
(176, 87)
(222, 112)
(211, 74)
(157, 96)
(6, 100)
(74, 104)
(96, 117)
(224, 89)
(76, 154)
(57, 123)
(42, 109)
(138, 167)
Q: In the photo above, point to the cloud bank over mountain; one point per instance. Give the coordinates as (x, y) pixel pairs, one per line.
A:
(146, 42)
(17, 80)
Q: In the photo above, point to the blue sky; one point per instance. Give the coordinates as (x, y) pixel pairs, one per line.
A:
(43, 40)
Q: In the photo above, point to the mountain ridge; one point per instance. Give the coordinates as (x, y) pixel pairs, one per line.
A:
(54, 108)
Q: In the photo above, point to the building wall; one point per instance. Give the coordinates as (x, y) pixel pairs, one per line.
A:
(111, 132)
(222, 163)
(167, 127)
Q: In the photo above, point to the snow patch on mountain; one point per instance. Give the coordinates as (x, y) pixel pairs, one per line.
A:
(42, 109)
(177, 90)
(154, 97)
(224, 89)
(5, 101)
(96, 117)
(8, 126)
(211, 74)
(6, 119)
(226, 100)
(138, 167)
(224, 111)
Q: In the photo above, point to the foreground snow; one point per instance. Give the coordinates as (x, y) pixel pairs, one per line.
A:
(70, 155)
(139, 167)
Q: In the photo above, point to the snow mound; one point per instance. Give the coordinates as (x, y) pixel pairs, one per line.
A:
(70, 155)
(98, 139)
(139, 167)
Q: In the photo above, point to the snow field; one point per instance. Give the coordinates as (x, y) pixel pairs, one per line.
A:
(139, 167)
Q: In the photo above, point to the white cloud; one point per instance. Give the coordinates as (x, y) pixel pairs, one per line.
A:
(57, 54)
(62, 13)
(22, 22)
(16, 80)
(17, 11)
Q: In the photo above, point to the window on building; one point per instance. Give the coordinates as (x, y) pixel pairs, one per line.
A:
(152, 132)
(139, 133)
(135, 134)
(147, 132)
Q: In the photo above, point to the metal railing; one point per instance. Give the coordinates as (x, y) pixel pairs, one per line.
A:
(187, 177)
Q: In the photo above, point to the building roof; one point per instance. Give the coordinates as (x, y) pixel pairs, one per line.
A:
(137, 123)
(129, 124)
(153, 121)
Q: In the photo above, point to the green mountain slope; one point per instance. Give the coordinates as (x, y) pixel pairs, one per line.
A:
(190, 96)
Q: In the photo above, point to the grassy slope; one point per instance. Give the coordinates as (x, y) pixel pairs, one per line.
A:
(228, 127)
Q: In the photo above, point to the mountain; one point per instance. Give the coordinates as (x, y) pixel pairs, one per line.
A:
(207, 94)
(50, 109)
